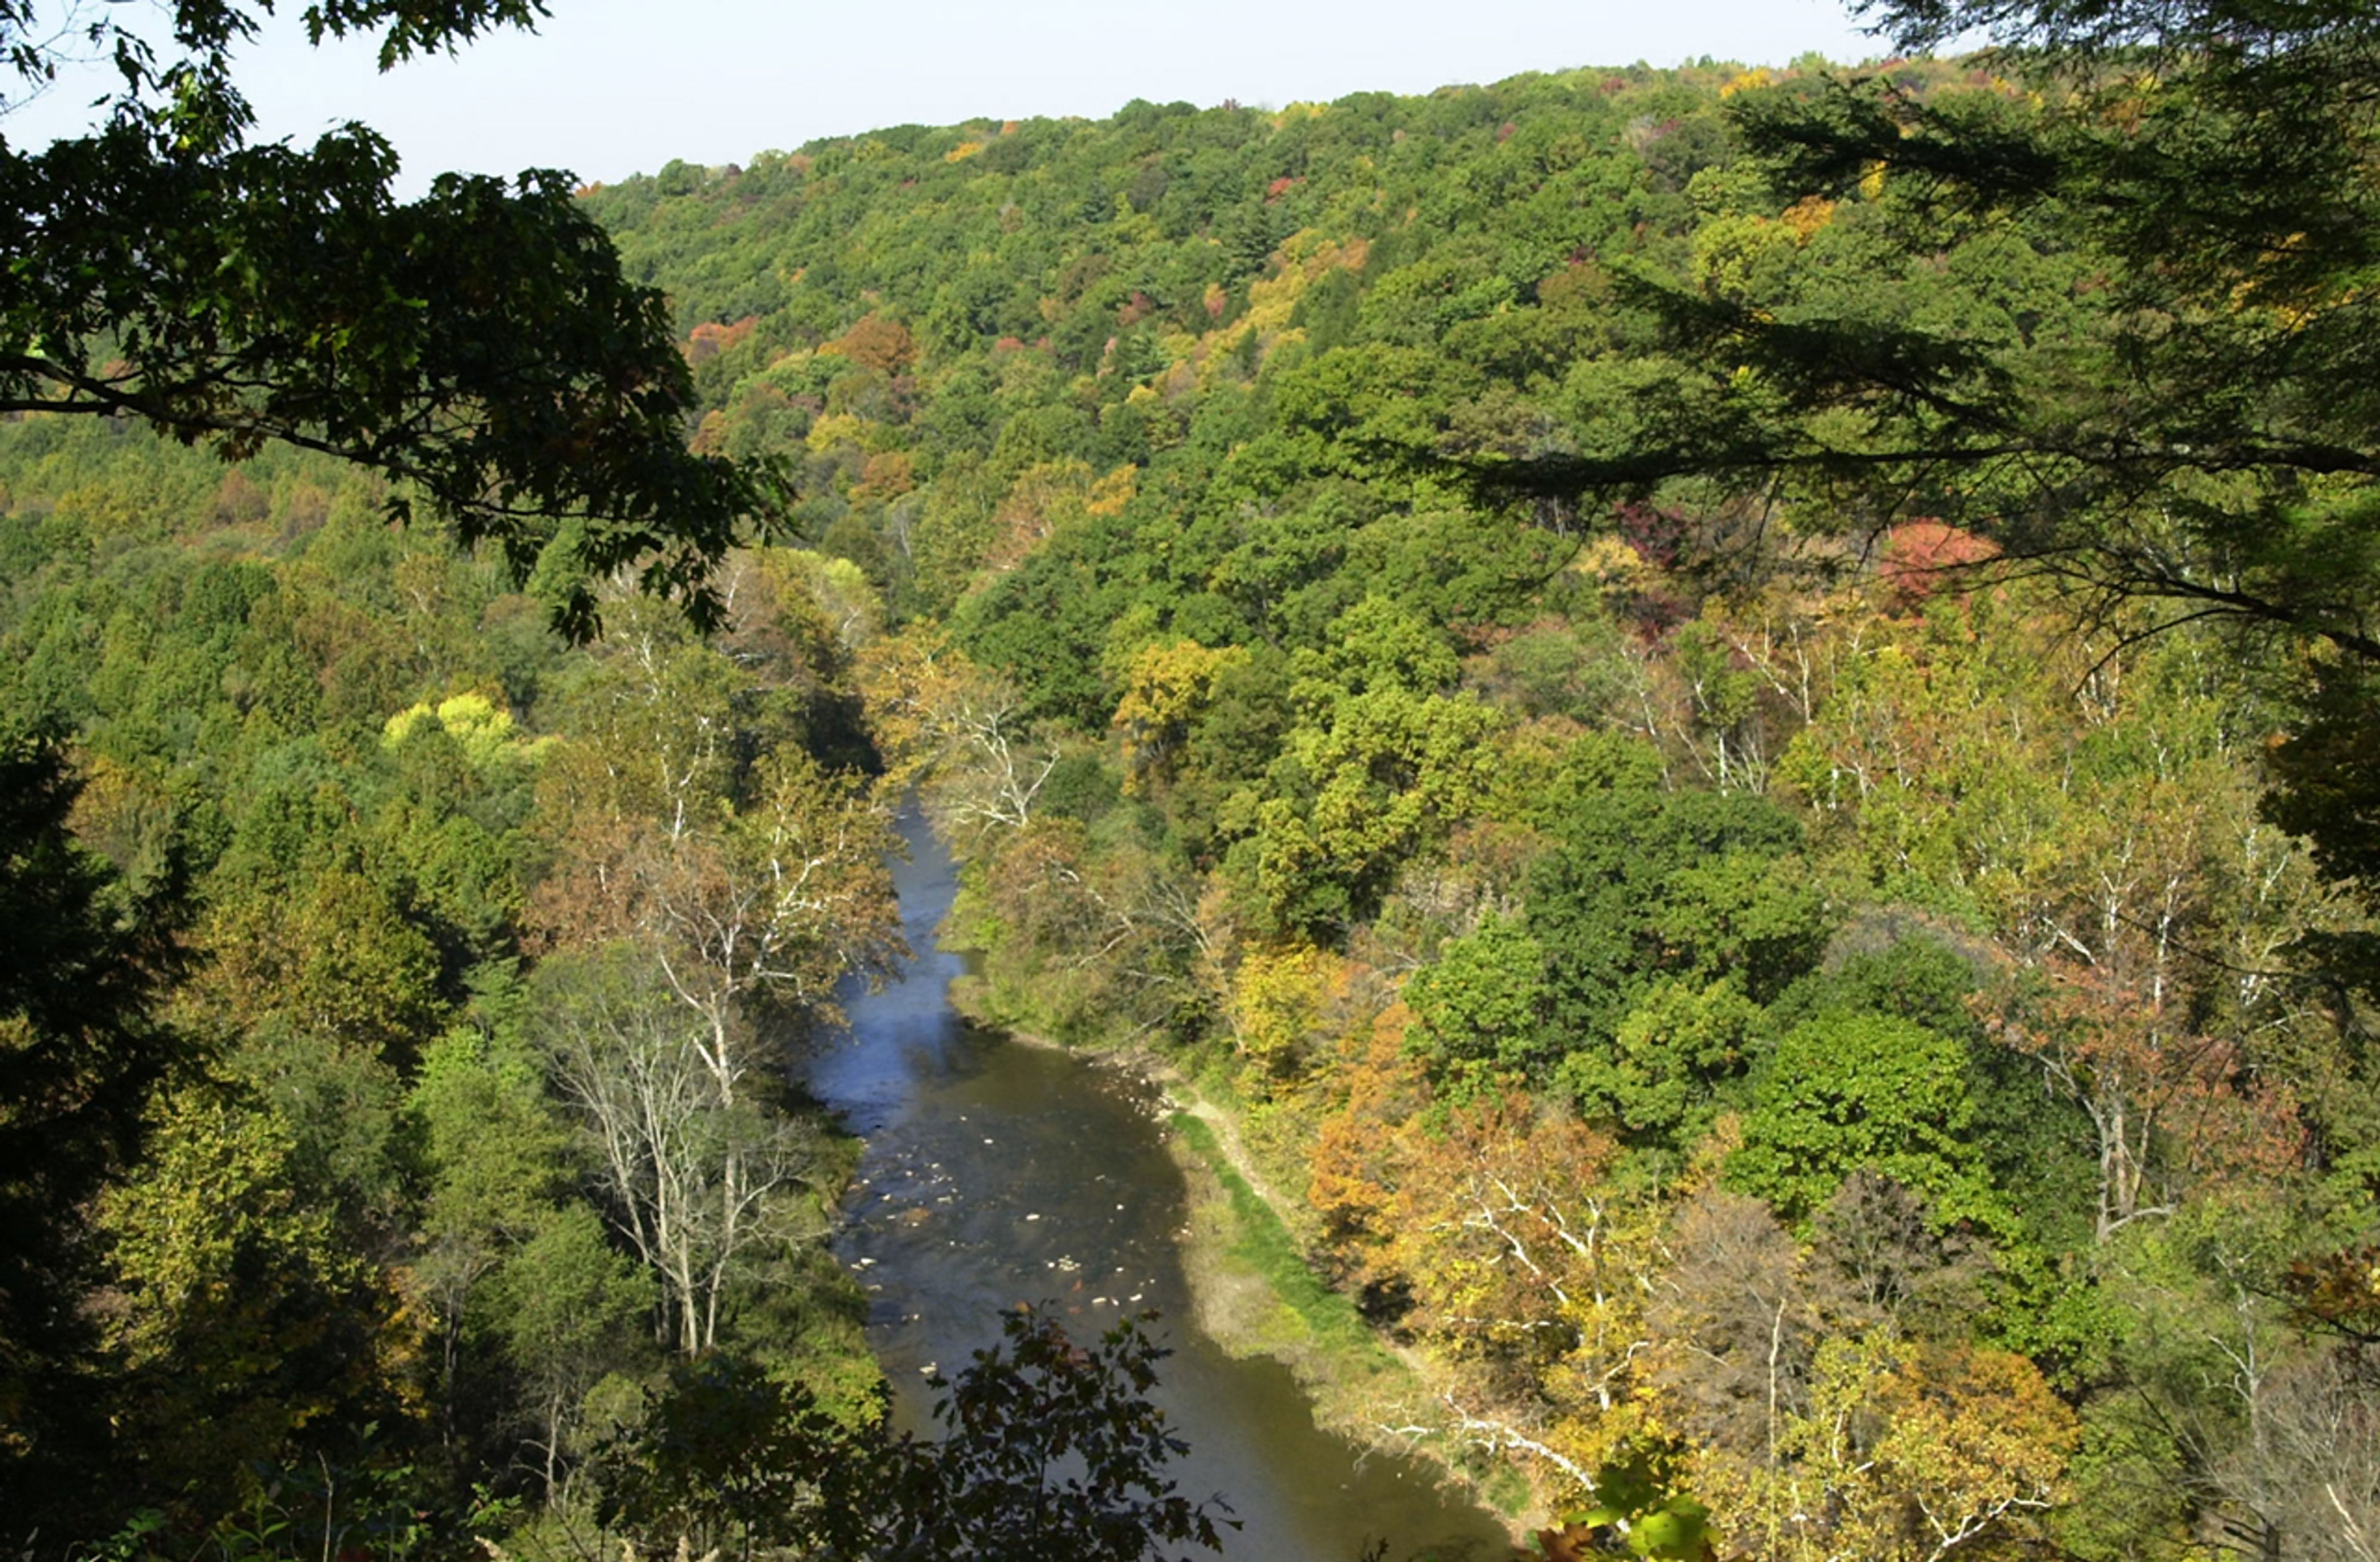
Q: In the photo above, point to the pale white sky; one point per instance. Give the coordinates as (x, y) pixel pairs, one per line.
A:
(607, 88)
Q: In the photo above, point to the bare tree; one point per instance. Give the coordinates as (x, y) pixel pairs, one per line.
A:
(704, 1184)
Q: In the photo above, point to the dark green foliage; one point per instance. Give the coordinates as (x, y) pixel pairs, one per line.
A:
(81, 964)
(2038, 1145)
(1479, 1012)
(84, 964)
(1892, 963)
(728, 1456)
(2040, 1148)
(362, 1496)
(2325, 775)
(1852, 1093)
(480, 343)
(1049, 1450)
(1904, 965)
(1230, 744)
(1081, 787)
(1695, 884)
(1679, 1054)
(1048, 622)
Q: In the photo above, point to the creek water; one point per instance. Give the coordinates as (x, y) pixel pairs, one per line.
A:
(999, 1173)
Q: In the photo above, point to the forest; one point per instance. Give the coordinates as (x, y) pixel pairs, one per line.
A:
(1728, 712)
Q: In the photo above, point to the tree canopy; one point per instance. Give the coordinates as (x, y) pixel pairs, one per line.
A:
(481, 344)
(2187, 421)
(1753, 985)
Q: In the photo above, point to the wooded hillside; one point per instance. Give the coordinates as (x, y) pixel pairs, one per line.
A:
(1797, 907)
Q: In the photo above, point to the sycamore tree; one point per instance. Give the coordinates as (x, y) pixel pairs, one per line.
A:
(479, 344)
(711, 885)
(688, 816)
(958, 732)
(706, 1187)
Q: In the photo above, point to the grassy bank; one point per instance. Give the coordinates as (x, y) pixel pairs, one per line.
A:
(1253, 1290)
(1256, 1295)
(1313, 1328)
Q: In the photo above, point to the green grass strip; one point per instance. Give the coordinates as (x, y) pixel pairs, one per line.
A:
(1265, 1245)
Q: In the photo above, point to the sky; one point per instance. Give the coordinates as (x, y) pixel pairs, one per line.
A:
(608, 88)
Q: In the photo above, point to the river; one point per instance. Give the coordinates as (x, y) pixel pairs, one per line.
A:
(997, 1172)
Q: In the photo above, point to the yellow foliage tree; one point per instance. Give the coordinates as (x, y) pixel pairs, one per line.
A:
(1278, 997)
(1164, 687)
(1907, 1452)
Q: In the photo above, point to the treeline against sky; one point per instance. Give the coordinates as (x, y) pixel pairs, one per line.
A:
(1765, 997)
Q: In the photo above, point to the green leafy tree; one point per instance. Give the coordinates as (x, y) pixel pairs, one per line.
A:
(494, 1167)
(241, 1308)
(81, 967)
(569, 1311)
(1849, 1092)
(1696, 885)
(481, 343)
(453, 826)
(327, 954)
(1673, 1060)
(1380, 762)
(1475, 1011)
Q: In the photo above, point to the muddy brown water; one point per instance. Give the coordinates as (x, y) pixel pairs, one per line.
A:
(998, 1173)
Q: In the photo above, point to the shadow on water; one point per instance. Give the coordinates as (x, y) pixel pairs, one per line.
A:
(998, 1173)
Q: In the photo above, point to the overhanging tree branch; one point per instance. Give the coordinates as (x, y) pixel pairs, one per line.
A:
(480, 345)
